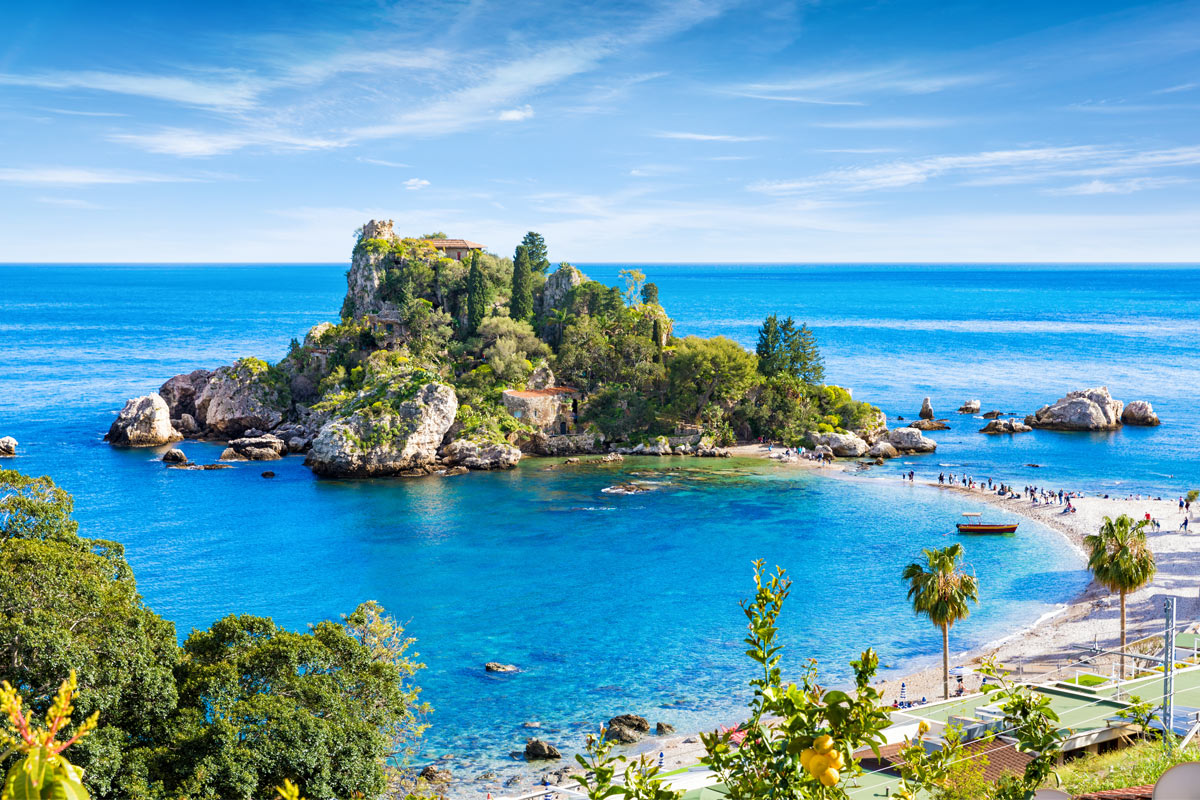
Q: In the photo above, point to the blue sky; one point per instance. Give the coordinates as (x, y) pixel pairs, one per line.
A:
(699, 130)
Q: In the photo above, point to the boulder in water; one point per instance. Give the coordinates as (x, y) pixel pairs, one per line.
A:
(926, 409)
(496, 666)
(143, 422)
(929, 425)
(8, 446)
(537, 750)
(180, 392)
(481, 455)
(845, 445)
(633, 721)
(1139, 412)
(881, 450)
(993, 415)
(663, 728)
(1084, 410)
(970, 407)
(255, 448)
(910, 440)
(174, 456)
(1005, 426)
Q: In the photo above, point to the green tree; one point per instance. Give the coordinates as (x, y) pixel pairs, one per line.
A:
(650, 294)
(804, 357)
(1120, 560)
(709, 370)
(258, 704)
(68, 603)
(476, 295)
(940, 591)
(634, 278)
(510, 346)
(535, 247)
(770, 347)
(558, 319)
(520, 302)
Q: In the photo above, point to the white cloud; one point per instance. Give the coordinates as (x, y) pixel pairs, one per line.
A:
(1127, 186)
(707, 137)
(516, 114)
(67, 202)
(886, 123)
(1182, 87)
(192, 143)
(833, 88)
(236, 91)
(81, 176)
(382, 162)
(413, 184)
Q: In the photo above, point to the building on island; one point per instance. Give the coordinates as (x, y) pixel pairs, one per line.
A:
(387, 328)
(553, 410)
(455, 248)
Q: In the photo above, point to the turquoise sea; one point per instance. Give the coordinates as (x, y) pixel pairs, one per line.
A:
(609, 603)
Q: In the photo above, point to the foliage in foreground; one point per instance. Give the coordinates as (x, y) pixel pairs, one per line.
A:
(236, 710)
(1142, 763)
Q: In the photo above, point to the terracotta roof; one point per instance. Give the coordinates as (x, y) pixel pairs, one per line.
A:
(451, 244)
(549, 391)
(1131, 793)
(1002, 759)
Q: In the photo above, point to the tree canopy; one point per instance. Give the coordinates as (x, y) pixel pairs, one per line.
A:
(535, 247)
(520, 304)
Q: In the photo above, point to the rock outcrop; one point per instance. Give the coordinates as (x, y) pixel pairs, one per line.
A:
(910, 440)
(174, 456)
(1005, 426)
(496, 666)
(634, 721)
(8, 446)
(240, 397)
(926, 409)
(369, 442)
(929, 425)
(873, 428)
(1139, 412)
(845, 445)
(1085, 410)
(180, 392)
(143, 422)
(481, 455)
(970, 407)
(255, 448)
(537, 750)
(558, 285)
(663, 728)
(993, 415)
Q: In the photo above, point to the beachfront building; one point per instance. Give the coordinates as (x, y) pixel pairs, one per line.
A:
(554, 410)
(458, 249)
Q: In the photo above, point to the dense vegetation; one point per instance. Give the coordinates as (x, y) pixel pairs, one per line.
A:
(230, 714)
(486, 323)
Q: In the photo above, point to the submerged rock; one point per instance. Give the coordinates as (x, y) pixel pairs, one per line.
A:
(993, 414)
(389, 440)
(143, 422)
(1139, 412)
(481, 455)
(537, 750)
(8, 446)
(970, 407)
(496, 666)
(926, 409)
(1084, 410)
(1005, 426)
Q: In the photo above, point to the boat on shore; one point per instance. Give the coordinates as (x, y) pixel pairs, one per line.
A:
(973, 524)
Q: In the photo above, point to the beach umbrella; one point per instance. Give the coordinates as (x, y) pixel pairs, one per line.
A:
(903, 692)
(961, 672)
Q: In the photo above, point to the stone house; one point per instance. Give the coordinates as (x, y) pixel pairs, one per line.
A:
(553, 410)
(455, 248)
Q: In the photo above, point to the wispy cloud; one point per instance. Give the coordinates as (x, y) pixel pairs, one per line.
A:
(82, 176)
(839, 88)
(413, 184)
(379, 162)
(231, 91)
(707, 137)
(67, 202)
(1182, 87)
(1127, 186)
(75, 112)
(190, 142)
(886, 123)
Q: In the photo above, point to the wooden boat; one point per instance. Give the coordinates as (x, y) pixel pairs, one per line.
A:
(974, 524)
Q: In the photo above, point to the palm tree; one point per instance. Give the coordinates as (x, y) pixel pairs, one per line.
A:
(941, 592)
(1121, 561)
(559, 317)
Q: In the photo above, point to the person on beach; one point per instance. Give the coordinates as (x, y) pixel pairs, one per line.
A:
(1183, 526)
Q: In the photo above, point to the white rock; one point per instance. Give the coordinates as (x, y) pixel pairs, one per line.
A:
(846, 445)
(910, 440)
(883, 450)
(1085, 410)
(143, 422)
(8, 446)
(1139, 412)
(481, 455)
(926, 409)
(970, 407)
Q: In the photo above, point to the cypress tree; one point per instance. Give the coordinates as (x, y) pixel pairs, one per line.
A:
(810, 364)
(520, 303)
(535, 245)
(476, 295)
(770, 347)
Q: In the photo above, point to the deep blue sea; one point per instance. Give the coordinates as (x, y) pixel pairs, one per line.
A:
(609, 603)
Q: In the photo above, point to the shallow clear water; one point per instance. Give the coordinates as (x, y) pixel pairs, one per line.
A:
(609, 603)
